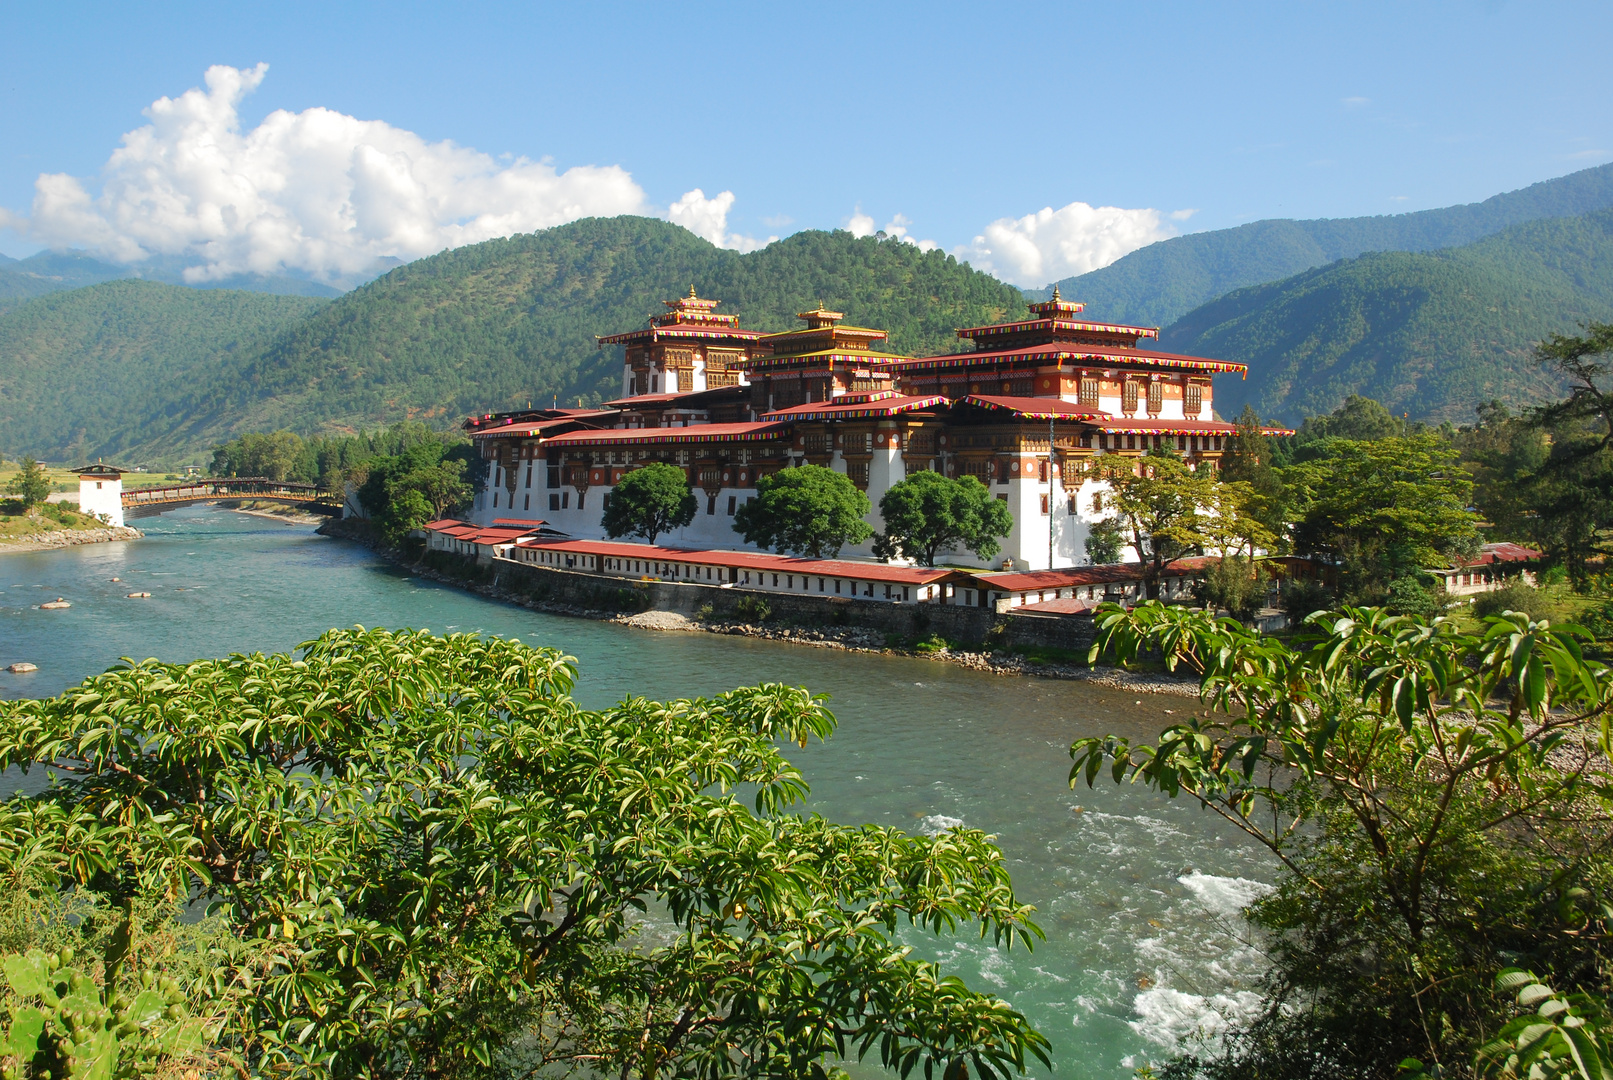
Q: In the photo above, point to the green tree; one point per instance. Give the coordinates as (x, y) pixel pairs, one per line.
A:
(1105, 542)
(928, 512)
(273, 455)
(1360, 419)
(808, 510)
(650, 501)
(461, 873)
(419, 485)
(29, 484)
(1250, 458)
(1435, 802)
(1382, 509)
(1168, 509)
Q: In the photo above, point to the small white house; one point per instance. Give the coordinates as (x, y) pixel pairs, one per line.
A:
(100, 492)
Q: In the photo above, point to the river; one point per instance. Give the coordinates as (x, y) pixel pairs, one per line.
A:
(1137, 894)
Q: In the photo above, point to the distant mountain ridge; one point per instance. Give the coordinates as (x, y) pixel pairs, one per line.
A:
(493, 325)
(46, 272)
(1162, 282)
(1430, 334)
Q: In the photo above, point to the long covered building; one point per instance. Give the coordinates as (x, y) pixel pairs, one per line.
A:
(1024, 406)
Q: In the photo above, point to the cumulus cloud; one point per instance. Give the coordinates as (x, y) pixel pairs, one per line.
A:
(861, 225)
(708, 219)
(317, 191)
(1053, 244)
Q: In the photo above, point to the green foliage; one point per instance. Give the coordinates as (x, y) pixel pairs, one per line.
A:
(650, 501)
(928, 512)
(30, 484)
(1409, 596)
(456, 871)
(753, 608)
(425, 482)
(1105, 542)
(1437, 803)
(1381, 510)
(1168, 509)
(1163, 282)
(1236, 584)
(1360, 419)
(1546, 478)
(272, 455)
(808, 510)
(1426, 334)
(1537, 603)
(1251, 459)
(101, 371)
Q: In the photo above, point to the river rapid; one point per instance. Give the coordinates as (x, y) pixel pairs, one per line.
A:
(1138, 894)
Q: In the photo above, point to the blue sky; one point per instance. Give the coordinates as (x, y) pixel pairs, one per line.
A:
(965, 120)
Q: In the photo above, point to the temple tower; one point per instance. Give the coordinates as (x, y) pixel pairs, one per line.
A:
(100, 492)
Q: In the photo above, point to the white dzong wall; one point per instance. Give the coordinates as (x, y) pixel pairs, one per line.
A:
(102, 496)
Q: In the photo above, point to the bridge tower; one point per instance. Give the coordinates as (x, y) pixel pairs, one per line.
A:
(100, 491)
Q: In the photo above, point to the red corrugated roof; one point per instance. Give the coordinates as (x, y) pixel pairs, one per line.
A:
(1024, 580)
(880, 405)
(1067, 606)
(692, 433)
(1033, 408)
(750, 560)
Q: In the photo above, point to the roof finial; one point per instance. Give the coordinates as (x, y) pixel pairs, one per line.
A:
(691, 292)
(1056, 296)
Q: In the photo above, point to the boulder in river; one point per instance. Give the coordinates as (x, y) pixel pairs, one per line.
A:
(138, 595)
(55, 604)
(22, 666)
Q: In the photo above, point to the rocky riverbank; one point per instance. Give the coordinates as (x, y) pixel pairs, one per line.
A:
(61, 538)
(851, 638)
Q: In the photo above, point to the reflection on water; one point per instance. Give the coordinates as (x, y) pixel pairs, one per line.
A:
(1138, 894)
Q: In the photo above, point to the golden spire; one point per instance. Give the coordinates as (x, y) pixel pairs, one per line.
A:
(1056, 296)
(691, 292)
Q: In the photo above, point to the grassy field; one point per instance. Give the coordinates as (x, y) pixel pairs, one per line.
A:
(67, 480)
(15, 524)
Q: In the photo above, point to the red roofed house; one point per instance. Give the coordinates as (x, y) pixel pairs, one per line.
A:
(1024, 409)
(1494, 567)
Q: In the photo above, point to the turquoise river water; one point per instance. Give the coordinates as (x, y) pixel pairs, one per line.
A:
(1138, 894)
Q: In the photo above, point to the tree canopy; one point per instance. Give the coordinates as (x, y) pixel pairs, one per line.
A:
(928, 512)
(30, 484)
(425, 482)
(1436, 799)
(439, 865)
(808, 510)
(650, 501)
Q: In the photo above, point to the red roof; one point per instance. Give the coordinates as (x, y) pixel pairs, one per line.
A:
(644, 399)
(692, 434)
(1025, 580)
(750, 560)
(520, 523)
(882, 404)
(1067, 606)
(678, 330)
(1120, 425)
(1490, 554)
(1059, 351)
(1028, 325)
(530, 428)
(502, 531)
(1034, 408)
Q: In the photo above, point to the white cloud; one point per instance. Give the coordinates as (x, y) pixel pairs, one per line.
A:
(861, 225)
(316, 191)
(1050, 245)
(1183, 215)
(1356, 102)
(708, 219)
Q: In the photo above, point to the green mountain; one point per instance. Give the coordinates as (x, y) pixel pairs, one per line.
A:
(490, 326)
(1429, 334)
(1160, 283)
(78, 367)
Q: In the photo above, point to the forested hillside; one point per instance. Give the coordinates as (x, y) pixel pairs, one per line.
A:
(57, 271)
(80, 369)
(1428, 334)
(489, 326)
(1162, 282)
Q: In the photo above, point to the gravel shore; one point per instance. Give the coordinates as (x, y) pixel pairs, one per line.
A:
(61, 538)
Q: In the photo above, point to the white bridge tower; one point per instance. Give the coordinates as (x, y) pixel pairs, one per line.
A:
(100, 492)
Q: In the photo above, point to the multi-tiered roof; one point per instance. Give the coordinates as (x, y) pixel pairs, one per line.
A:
(688, 318)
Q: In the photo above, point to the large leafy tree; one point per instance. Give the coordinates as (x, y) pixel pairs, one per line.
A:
(808, 510)
(1251, 459)
(1382, 509)
(1434, 802)
(650, 501)
(1167, 508)
(928, 512)
(456, 871)
(424, 482)
(270, 454)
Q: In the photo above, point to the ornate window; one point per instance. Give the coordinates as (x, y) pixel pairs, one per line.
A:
(1022, 388)
(1193, 399)
(1089, 392)
(1128, 397)
(1156, 398)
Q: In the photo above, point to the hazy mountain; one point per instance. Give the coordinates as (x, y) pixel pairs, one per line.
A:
(1160, 283)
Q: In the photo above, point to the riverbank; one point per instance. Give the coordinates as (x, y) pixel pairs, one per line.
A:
(288, 514)
(64, 538)
(847, 638)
